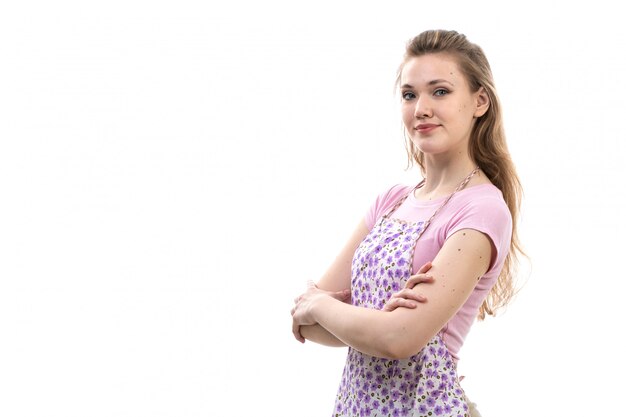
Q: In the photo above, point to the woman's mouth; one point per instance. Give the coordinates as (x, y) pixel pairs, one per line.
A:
(426, 127)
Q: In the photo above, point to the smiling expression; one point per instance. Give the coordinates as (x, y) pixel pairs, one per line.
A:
(438, 107)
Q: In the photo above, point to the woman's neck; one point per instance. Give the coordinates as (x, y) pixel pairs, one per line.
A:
(441, 179)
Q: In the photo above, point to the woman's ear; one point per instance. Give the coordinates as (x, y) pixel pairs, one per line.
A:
(482, 102)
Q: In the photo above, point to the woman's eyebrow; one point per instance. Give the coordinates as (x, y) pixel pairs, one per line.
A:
(433, 82)
(439, 81)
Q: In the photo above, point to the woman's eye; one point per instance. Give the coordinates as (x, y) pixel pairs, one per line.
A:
(440, 92)
(407, 95)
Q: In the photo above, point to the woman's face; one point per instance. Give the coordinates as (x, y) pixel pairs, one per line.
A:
(438, 108)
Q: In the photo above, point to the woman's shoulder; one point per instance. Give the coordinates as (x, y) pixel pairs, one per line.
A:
(482, 205)
(385, 201)
(485, 194)
(395, 192)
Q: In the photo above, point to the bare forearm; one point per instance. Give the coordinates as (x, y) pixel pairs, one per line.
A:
(318, 334)
(369, 331)
(404, 332)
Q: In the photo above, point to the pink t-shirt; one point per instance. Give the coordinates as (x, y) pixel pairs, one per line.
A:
(479, 207)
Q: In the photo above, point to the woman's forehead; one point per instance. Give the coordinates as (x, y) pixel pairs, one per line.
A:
(426, 68)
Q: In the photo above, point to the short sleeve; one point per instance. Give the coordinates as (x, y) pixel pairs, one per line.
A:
(383, 203)
(490, 215)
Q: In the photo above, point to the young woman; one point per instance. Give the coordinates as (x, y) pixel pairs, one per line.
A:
(456, 229)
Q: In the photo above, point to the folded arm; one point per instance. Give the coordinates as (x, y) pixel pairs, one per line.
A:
(463, 259)
(320, 335)
(336, 278)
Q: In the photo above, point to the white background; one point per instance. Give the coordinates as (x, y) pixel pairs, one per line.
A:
(171, 174)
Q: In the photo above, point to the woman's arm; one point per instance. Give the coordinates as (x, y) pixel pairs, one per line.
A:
(406, 297)
(462, 260)
(336, 278)
(318, 334)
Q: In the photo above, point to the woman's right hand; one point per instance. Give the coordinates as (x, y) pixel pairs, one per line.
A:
(300, 313)
(407, 297)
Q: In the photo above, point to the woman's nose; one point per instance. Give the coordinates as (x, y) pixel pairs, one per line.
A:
(423, 108)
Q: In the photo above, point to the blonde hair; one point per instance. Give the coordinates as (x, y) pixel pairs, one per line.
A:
(487, 144)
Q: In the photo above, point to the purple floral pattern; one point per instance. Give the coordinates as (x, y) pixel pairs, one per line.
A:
(426, 384)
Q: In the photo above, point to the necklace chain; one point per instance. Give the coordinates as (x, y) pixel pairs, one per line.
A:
(458, 188)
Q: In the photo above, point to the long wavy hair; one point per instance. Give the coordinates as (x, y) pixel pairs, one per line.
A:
(487, 143)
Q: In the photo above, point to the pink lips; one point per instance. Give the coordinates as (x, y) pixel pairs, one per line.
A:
(426, 127)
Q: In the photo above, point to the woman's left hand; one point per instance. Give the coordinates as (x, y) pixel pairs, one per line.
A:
(407, 297)
(301, 313)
